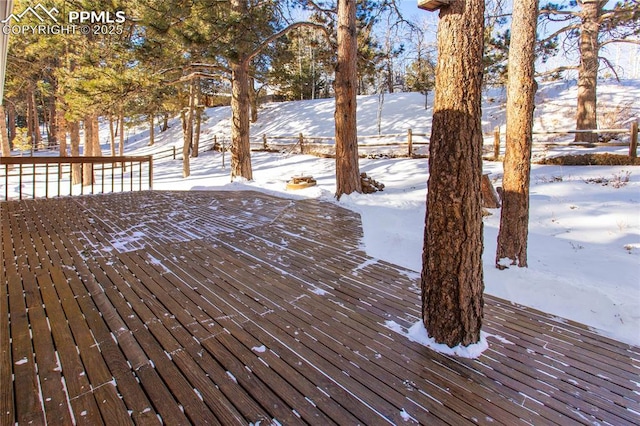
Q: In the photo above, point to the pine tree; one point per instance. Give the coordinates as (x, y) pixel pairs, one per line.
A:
(347, 168)
(452, 286)
(521, 89)
(590, 28)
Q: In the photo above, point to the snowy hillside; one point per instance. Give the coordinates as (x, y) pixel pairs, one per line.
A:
(584, 241)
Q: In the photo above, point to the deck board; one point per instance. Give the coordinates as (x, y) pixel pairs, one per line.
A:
(240, 307)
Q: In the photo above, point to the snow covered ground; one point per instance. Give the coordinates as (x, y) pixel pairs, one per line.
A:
(584, 234)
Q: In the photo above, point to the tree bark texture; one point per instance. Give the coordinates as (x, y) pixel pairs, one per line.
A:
(186, 144)
(62, 132)
(586, 117)
(121, 132)
(240, 145)
(253, 98)
(33, 123)
(4, 135)
(11, 121)
(112, 135)
(74, 140)
(152, 130)
(452, 281)
(52, 139)
(346, 85)
(87, 172)
(196, 115)
(521, 90)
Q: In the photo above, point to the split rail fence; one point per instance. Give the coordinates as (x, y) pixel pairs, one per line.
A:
(633, 138)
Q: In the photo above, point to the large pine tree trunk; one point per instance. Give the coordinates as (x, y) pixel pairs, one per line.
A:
(346, 85)
(521, 90)
(452, 285)
(588, 72)
(240, 144)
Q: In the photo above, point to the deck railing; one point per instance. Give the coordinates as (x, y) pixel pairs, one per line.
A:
(33, 177)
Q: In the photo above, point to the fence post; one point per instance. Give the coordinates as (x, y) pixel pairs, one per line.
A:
(410, 142)
(633, 144)
(301, 144)
(174, 152)
(224, 149)
(264, 141)
(496, 143)
(150, 172)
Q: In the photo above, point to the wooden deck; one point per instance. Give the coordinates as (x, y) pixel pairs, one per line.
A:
(239, 308)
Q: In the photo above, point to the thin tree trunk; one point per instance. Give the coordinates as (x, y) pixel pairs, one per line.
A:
(32, 125)
(588, 72)
(452, 285)
(389, 67)
(87, 172)
(11, 113)
(53, 124)
(195, 118)
(346, 84)
(165, 122)
(253, 98)
(62, 132)
(95, 136)
(521, 90)
(112, 136)
(121, 133)
(74, 139)
(196, 132)
(152, 130)
(4, 136)
(186, 144)
(36, 136)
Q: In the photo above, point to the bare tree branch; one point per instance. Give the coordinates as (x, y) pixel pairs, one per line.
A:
(315, 6)
(281, 33)
(604, 43)
(560, 31)
(610, 66)
(557, 70)
(550, 12)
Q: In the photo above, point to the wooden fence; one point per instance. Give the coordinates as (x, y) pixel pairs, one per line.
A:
(633, 132)
(33, 177)
(311, 144)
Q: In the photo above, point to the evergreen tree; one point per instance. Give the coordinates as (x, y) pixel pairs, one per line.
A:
(452, 277)
(521, 89)
(590, 28)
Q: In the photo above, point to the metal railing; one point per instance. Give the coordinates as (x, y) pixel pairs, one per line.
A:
(33, 177)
